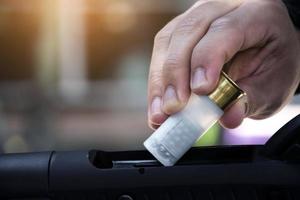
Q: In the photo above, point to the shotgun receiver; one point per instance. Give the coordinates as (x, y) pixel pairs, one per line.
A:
(255, 172)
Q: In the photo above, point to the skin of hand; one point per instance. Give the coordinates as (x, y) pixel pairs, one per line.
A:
(254, 41)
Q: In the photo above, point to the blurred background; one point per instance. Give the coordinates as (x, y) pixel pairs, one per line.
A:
(74, 76)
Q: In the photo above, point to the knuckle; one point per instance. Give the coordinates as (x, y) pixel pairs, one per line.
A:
(155, 79)
(202, 2)
(171, 63)
(193, 21)
(162, 37)
(200, 56)
(224, 23)
(187, 26)
(198, 3)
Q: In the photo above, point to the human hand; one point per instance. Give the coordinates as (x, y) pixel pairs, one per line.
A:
(254, 41)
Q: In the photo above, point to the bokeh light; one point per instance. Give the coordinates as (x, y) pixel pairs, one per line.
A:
(119, 16)
(74, 76)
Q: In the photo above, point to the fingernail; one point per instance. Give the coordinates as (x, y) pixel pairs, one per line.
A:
(244, 101)
(198, 78)
(156, 106)
(242, 105)
(171, 102)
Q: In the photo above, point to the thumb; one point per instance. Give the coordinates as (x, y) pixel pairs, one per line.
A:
(226, 37)
(234, 116)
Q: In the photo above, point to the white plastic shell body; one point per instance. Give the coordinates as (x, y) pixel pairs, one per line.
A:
(181, 130)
